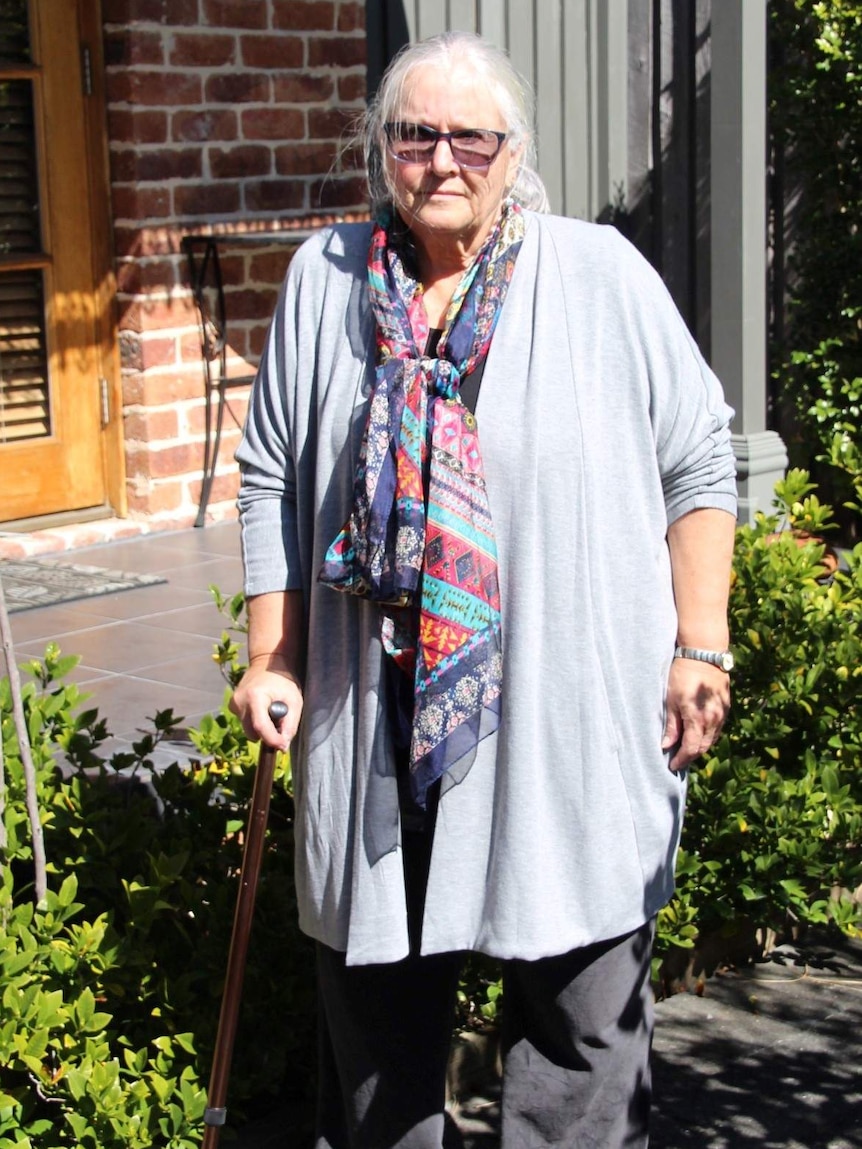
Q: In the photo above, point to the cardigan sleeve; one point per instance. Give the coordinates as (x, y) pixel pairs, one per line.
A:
(690, 418)
(267, 495)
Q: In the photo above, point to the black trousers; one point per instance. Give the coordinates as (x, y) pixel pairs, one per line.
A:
(577, 1030)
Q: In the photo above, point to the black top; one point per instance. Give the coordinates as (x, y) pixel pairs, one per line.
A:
(470, 384)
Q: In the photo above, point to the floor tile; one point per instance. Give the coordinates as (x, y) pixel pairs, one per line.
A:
(224, 573)
(145, 601)
(151, 648)
(194, 673)
(46, 623)
(129, 647)
(203, 619)
(128, 703)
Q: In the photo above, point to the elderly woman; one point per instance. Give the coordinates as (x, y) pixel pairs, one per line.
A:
(487, 517)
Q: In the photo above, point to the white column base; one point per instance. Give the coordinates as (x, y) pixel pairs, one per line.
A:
(761, 460)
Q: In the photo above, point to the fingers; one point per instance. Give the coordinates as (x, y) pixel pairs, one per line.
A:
(252, 700)
(698, 701)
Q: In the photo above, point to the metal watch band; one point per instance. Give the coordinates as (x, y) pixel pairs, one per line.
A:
(723, 659)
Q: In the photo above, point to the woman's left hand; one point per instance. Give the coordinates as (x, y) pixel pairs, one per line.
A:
(698, 699)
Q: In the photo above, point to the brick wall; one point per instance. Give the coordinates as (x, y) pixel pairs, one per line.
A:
(223, 116)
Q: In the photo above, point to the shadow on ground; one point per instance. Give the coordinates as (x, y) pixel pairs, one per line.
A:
(767, 1057)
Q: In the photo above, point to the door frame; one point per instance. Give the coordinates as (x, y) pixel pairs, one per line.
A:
(101, 416)
(105, 303)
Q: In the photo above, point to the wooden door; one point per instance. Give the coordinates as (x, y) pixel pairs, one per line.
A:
(56, 382)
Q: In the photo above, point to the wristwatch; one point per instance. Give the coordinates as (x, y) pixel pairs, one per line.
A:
(723, 659)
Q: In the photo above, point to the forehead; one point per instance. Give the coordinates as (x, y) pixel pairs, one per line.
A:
(443, 99)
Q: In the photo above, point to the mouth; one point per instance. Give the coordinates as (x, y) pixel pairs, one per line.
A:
(433, 193)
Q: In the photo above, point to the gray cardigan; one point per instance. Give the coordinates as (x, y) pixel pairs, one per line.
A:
(600, 424)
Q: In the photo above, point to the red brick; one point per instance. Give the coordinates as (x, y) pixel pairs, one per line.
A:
(233, 267)
(168, 164)
(224, 488)
(272, 51)
(238, 88)
(257, 340)
(339, 192)
(157, 498)
(123, 165)
(350, 159)
(176, 460)
(239, 343)
(157, 315)
(131, 354)
(149, 389)
(237, 400)
(137, 277)
(272, 124)
(274, 195)
(168, 12)
(235, 13)
(351, 17)
(159, 353)
(204, 126)
(235, 163)
(206, 199)
(302, 89)
(231, 434)
(271, 266)
(336, 52)
(144, 461)
(141, 241)
(304, 159)
(304, 15)
(126, 239)
(352, 87)
(131, 47)
(147, 426)
(253, 303)
(136, 203)
(137, 127)
(129, 281)
(190, 348)
(203, 51)
(329, 123)
(153, 89)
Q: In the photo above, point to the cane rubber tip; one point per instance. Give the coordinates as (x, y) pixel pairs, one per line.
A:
(278, 712)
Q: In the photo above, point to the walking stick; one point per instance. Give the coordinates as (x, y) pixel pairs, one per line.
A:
(216, 1112)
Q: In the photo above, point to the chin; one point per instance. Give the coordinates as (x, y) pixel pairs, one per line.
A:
(442, 217)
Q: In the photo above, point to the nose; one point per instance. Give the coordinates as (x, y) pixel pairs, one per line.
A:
(443, 162)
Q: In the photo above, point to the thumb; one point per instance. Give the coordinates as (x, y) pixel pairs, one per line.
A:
(672, 729)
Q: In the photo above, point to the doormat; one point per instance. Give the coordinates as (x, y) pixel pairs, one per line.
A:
(29, 583)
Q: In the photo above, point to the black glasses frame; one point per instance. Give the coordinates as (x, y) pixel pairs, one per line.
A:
(433, 136)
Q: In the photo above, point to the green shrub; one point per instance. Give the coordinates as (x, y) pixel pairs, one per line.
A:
(111, 989)
(815, 119)
(774, 823)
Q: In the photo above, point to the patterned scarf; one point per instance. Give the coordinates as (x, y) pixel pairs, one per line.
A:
(420, 535)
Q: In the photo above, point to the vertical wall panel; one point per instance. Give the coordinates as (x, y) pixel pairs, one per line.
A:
(492, 20)
(521, 22)
(433, 17)
(577, 99)
(550, 103)
(463, 15)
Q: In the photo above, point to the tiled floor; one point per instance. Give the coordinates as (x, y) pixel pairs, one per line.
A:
(148, 649)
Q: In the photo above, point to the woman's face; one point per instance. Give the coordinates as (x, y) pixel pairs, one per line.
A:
(441, 202)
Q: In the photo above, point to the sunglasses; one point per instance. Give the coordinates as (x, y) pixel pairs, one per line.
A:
(416, 144)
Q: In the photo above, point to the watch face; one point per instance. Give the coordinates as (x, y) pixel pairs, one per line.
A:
(726, 663)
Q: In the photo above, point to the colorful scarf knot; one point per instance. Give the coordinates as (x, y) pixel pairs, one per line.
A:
(420, 536)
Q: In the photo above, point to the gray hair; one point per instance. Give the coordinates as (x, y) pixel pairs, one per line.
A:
(485, 61)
